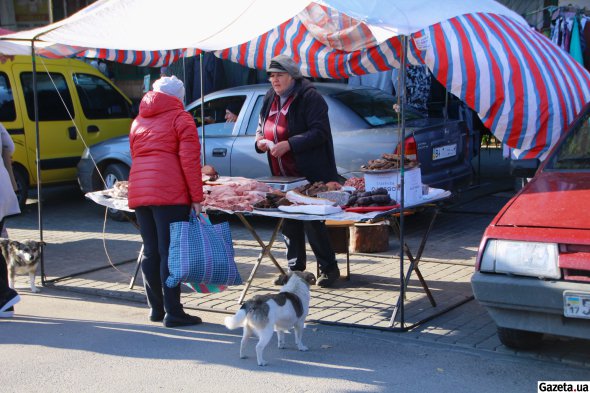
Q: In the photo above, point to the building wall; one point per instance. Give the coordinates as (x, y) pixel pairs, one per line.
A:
(7, 19)
(530, 10)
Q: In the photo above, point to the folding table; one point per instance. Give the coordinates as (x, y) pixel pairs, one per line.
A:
(430, 202)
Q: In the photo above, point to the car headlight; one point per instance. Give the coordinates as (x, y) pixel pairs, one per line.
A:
(525, 258)
(86, 154)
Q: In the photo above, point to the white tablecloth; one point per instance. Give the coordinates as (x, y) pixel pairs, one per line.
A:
(435, 195)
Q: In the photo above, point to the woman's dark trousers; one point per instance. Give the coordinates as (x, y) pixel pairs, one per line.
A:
(294, 232)
(154, 226)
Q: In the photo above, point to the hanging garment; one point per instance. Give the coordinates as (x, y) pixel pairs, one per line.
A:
(575, 44)
(585, 36)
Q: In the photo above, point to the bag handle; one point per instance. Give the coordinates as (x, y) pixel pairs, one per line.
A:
(202, 217)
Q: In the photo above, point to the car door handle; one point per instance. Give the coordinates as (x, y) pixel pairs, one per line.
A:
(219, 152)
(92, 129)
(72, 133)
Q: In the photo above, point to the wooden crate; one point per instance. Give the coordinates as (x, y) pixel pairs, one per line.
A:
(369, 238)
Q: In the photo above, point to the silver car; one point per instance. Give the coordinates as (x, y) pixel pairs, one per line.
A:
(364, 125)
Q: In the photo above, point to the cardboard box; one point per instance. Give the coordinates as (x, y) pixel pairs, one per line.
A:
(391, 181)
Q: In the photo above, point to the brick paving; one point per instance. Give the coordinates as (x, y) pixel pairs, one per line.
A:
(73, 229)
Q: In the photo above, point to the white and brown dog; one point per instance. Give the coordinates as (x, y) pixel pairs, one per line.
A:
(264, 314)
(22, 258)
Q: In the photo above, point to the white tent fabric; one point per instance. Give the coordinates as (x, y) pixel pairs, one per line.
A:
(387, 18)
(153, 25)
(10, 48)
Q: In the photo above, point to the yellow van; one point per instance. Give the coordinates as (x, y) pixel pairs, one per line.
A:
(67, 90)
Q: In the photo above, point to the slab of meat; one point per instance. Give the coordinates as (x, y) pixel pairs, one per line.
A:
(235, 194)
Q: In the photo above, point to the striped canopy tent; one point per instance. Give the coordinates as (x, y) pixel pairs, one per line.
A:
(524, 88)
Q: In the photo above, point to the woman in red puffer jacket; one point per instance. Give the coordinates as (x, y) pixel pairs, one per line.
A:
(164, 185)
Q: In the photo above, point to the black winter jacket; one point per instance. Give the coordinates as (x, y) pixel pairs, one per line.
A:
(310, 136)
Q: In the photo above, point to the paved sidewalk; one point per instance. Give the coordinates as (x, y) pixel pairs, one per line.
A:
(73, 229)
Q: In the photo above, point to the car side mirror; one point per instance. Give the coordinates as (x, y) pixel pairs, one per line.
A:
(525, 168)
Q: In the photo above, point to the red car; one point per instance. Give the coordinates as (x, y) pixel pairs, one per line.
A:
(533, 268)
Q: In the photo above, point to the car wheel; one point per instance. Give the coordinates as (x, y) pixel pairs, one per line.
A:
(22, 182)
(112, 174)
(519, 339)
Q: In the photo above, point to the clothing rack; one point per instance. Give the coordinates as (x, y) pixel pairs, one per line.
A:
(537, 11)
(564, 20)
(567, 11)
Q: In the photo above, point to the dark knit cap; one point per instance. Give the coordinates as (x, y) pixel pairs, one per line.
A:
(234, 107)
(283, 63)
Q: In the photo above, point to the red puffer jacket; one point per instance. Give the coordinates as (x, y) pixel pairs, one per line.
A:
(165, 153)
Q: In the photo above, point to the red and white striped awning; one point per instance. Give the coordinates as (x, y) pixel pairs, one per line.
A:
(524, 88)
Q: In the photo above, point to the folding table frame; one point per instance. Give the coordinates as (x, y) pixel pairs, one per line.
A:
(433, 206)
(264, 252)
(393, 215)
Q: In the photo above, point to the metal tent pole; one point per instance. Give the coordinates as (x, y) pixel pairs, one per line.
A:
(402, 128)
(38, 159)
(184, 75)
(203, 150)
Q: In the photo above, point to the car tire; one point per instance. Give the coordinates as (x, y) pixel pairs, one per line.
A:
(22, 182)
(519, 339)
(112, 174)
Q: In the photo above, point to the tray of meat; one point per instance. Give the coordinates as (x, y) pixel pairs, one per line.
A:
(357, 182)
(271, 202)
(235, 194)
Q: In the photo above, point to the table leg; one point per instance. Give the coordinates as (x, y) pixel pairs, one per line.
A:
(264, 252)
(414, 261)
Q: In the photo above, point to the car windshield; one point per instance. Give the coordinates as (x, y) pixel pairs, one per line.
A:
(574, 152)
(374, 106)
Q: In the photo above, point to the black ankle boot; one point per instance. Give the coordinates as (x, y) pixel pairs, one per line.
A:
(181, 320)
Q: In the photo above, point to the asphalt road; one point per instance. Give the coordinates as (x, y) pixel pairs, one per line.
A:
(65, 342)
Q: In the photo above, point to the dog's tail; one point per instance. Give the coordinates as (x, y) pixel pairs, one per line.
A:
(236, 320)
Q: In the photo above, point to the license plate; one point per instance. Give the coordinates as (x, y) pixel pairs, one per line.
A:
(576, 304)
(446, 151)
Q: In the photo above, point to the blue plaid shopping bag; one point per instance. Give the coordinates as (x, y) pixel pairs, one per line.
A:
(201, 255)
